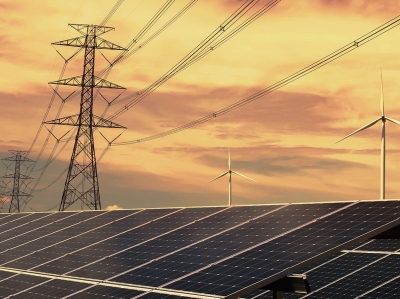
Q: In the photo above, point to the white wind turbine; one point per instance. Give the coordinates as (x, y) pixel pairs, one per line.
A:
(383, 119)
(230, 171)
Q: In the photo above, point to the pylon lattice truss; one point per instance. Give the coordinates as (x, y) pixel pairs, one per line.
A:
(82, 182)
(19, 157)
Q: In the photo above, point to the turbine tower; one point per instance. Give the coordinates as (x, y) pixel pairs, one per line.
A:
(383, 119)
(82, 181)
(230, 171)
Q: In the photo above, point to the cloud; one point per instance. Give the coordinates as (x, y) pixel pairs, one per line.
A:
(113, 207)
(283, 164)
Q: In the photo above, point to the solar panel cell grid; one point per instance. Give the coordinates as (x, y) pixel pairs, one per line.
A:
(382, 245)
(216, 248)
(31, 227)
(322, 273)
(105, 292)
(4, 275)
(59, 234)
(390, 290)
(105, 248)
(21, 220)
(52, 289)
(361, 281)
(18, 283)
(7, 218)
(167, 243)
(291, 249)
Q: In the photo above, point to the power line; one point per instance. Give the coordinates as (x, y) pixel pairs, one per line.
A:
(297, 75)
(111, 13)
(206, 43)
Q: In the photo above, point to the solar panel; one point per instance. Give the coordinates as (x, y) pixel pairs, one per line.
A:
(191, 252)
(20, 220)
(182, 237)
(362, 280)
(389, 290)
(17, 283)
(273, 259)
(381, 245)
(106, 293)
(51, 289)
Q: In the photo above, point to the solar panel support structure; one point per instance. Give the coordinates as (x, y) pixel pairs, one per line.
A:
(294, 283)
(82, 182)
(19, 157)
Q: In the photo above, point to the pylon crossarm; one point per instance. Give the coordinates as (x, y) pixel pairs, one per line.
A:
(74, 81)
(72, 42)
(22, 159)
(77, 81)
(107, 45)
(99, 29)
(10, 193)
(101, 83)
(100, 122)
(66, 121)
(21, 176)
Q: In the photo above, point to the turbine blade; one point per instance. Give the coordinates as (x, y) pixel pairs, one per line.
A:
(361, 129)
(393, 120)
(220, 176)
(229, 158)
(243, 176)
(382, 98)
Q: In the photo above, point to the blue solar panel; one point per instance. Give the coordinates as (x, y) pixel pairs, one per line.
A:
(54, 289)
(362, 280)
(75, 236)
(153, 249)
(20, 220)
(390, 290)
(106, 292)
(287, 253)
(8, 217)
(59, 231)
(17, 283)
(225, 251)
(134, 236)
(381, 245)
(31, 226)
(325, 272)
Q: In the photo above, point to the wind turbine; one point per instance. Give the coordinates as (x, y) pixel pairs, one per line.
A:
(383, 119)
(230, 171)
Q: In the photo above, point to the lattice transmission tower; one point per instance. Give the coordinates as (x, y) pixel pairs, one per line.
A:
(82, 181)
(15, 195)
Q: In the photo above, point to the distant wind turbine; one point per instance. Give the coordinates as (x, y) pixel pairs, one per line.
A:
(230, 171)
(383, 119)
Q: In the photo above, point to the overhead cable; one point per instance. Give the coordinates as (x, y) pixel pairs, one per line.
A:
(297, 75)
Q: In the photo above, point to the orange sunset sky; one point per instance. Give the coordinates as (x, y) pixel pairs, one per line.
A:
(285, 140)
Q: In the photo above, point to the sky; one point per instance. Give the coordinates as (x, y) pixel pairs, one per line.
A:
(285, 140)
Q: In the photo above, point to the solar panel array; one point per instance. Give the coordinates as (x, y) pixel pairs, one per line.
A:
(369, 270)
(208, 252)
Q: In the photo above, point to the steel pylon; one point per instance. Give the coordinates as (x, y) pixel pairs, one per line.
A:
(19, 157)
(82, 182)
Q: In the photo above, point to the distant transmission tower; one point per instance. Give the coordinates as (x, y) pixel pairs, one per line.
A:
(82, 182)
(19, 157)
